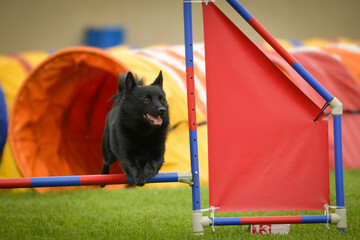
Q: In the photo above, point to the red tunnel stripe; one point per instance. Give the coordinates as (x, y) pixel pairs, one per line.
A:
(24, 63)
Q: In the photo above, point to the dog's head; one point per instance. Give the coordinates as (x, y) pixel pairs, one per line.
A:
(147, 103)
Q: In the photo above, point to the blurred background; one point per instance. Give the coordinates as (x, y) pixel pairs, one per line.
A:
(50, 24)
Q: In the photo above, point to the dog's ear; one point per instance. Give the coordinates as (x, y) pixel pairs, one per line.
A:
(159, 80)
(130, 82)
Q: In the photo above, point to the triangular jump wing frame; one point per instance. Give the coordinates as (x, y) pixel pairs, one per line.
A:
(199, 221)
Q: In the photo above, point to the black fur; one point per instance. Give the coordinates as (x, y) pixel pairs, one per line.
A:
(135, 129)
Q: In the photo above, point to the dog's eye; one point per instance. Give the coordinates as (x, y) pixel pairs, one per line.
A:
(162, 100)
(147, 100)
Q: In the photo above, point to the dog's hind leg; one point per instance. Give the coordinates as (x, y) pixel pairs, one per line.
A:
(108, 161)
(105, 168)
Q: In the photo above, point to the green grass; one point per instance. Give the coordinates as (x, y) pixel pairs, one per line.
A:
(136, 213)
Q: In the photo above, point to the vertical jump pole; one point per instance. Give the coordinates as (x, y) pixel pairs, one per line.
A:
(340, 201)
(197, 217)
(339, 176)
(191, 105)
(335, 104)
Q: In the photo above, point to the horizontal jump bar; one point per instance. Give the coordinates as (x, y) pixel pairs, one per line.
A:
(219, 221)
(84, 180)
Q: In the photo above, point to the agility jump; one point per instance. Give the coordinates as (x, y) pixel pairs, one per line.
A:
(229, 163)
(252, 168)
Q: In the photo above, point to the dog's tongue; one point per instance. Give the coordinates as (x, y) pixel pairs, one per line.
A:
(157, 120)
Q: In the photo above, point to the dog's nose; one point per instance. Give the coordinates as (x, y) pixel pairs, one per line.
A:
(161, 110)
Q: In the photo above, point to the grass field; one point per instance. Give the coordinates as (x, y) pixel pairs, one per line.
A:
(136, 213)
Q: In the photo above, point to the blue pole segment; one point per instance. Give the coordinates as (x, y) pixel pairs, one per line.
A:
(188, 35)
(159, 178)
(339, 178)
(195, 170)
(227, 221)
(312, 81)
(240, 9)
(164, 177)
(316, 219)
(55, 181)
(128, 180)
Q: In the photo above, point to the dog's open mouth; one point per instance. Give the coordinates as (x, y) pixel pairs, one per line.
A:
(153, 120)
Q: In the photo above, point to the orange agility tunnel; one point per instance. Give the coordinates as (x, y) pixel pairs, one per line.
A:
(56, 122)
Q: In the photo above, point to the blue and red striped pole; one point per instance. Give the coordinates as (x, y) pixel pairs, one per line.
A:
(85, 180)
(280, 50)
(271, 220)
(189, 61)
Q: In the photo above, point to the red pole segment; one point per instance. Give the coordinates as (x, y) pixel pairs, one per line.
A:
(103, 179)
(191, 97)
(15, 183)
(271, 41)
(272, 220)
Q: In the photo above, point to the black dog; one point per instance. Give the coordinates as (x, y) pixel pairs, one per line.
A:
(136, 128)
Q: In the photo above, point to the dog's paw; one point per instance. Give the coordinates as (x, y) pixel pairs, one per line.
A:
(139, 179)
(152, 168)
(140, 184)
(104, 172)
(150, 172)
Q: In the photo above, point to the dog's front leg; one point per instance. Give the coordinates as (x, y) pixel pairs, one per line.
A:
(152, 167)
(133, 170)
